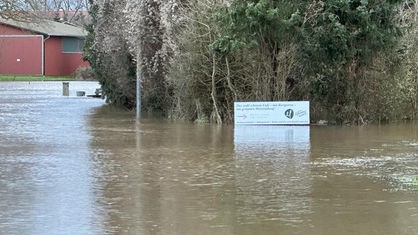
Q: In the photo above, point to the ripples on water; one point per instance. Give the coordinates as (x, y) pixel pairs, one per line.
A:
(386, 154)
(45, 180)
(397, 171)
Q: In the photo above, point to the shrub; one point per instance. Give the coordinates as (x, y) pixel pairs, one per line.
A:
(84, 73)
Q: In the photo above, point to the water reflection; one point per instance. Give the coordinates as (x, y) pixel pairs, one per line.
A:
(171, 178)
(273, 174)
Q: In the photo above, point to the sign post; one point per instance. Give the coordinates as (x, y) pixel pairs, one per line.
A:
(65, 88)
(138, 89)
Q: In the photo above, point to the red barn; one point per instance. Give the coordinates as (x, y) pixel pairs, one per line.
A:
(40, 48)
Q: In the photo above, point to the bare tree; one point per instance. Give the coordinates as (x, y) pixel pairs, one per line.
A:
(72, 11)
(15, 9)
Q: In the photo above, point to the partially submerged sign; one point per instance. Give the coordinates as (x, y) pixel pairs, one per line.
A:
(272, 113)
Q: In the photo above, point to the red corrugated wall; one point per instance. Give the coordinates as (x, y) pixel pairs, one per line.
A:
(58, 63)
(21, 54)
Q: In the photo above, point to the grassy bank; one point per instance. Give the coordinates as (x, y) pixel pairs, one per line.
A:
(8, 78)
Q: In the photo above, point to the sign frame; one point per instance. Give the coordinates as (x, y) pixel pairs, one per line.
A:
(272, 113)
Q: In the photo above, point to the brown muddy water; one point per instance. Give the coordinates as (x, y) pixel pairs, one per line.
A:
(74, 165)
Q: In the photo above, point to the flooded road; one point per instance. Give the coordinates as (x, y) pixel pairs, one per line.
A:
(73, 165)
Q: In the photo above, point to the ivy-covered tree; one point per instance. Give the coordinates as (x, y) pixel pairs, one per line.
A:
(124, 33)
(150, 30)
(107, 51)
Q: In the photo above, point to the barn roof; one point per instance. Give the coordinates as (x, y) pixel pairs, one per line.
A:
(47, 27)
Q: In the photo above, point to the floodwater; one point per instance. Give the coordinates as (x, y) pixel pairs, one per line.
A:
(74, 165)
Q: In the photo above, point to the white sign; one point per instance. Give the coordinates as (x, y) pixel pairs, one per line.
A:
(272, 113)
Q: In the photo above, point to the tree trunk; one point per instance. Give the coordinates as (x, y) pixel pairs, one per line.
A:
(228, 79)
(216, 115)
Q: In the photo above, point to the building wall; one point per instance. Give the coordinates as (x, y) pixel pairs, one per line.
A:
(21, 54)
(58, 63)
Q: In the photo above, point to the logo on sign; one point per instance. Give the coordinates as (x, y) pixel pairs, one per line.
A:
(289, 113)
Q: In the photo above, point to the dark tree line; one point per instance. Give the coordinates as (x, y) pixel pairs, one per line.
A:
(353, 59)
